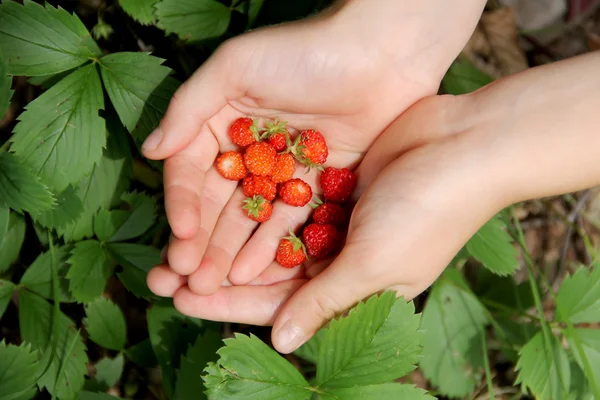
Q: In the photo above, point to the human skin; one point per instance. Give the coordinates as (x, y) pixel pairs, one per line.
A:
(431, 180)
(347, 72)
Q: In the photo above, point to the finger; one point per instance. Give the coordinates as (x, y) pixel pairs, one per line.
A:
(231, 232)
(255, 305)
(194, 103)
(163, 281)
(276, 273)
(185, 254)
(336, 289)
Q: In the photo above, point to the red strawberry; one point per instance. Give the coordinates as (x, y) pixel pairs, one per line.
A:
(231, 165)
(310, 148)
(276, 134)
(285, 166)
(260, 158)
(329, 214)
(260, 186)
(337, 184)
(291, 251)
(259, 209)
(243, 132)
(295, 192)
(278, 141)
(321, 240)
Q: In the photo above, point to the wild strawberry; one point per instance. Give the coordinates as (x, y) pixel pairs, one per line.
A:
(285, 166)
(260, 158)
(278, 141)
(328, 214)
(320, 240)
(337, 184)
(290, 252)
(231, 166)
(310, 148)
(276, 134)
(263, 186)
(258, 208)
(243, 132)
(295, 192)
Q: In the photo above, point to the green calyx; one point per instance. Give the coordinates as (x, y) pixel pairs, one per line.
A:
(296, 242)
(317, 203)
(296, 149)
(256, 131)
(254, 205)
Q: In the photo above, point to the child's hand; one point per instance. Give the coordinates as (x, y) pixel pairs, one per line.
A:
(347, 73)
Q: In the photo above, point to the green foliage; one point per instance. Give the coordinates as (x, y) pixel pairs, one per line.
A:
(17, 371)
(6, 291)
(193, 20)
(5, 84)
(38, 276)
(90, 270)
(12, 240)
(140, 10)
(105, 324)
(463, 77)
(203, 351)
(108, 373)
(579, 295)
(492, 247)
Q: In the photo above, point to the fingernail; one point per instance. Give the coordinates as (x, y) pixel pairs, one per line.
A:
(289, 337)
(153, 140)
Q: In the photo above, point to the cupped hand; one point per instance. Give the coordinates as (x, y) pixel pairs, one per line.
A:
(340, 72)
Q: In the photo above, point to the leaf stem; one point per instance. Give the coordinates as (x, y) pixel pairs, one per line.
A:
(486, 365)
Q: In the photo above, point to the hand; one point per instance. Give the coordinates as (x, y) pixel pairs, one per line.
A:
(347, 72)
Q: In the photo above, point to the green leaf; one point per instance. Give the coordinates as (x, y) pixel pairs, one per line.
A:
(108, 373)
(41, 41)
(379, 392)
(38, 277)
(502, 294)
(60, 135)
(47, 81)
(4, 220)
(492, 247)
(378, 342)
(204, 350)
(90, 270)
(463, 77)
(193, 20)
(5, 87)
(105, 324)
(6, 291)
(11, 242)
(579, 295)
(253, 11)
(140, 10)
(513, 335)
(36, 327)
(544, 369)
(94, 396)
(18, 365)
(453, 321)
(67, 210)
(142, 354)
(580, 386)
(136, 260)
(248, 366)
(310, 350)
(590, 341)
(21, 189)
(119, 225)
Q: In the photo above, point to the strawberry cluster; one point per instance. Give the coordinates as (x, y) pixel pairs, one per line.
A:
(266, 166)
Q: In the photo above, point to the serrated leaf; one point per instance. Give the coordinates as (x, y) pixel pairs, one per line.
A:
(108, 373)
(6, 291)
(90, 270)
(579, 296)
(4, 219)
(590, 342)
(502, 293)
(453, 320)
(247, 365)
(492, 247)
(188, 385)
(513, 335)
(119, 225)
(544, 368)
(140, 10)
(18, 365)
(60, 135)
(142, 354)
(193, 20)
(378, 342)
(21, 189)
(463, 77)
(310, 350)
(136, 260)
(11, 242)
(38, 276)
(47, 81)
(105, 324)
(580, 387)
(68, 208)
(5, 87)
(42, 41)
(379, 392)
(36, 327)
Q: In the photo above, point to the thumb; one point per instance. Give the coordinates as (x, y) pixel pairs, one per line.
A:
(336, 289)
(198, 99)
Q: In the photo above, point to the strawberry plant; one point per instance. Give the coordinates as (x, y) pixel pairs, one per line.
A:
(82, 222)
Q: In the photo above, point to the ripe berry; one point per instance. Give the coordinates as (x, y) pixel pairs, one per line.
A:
(285, 166)
(321, 240)
(276, 134)
(291, 251)
(263, 186)
(231, 165)
(310, 148)
(329, 214)
(278, 141)
(337, 184)
(243, 132)
(295, 192)
(258, 208)
(260, 158)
